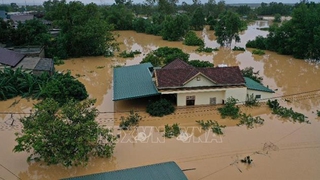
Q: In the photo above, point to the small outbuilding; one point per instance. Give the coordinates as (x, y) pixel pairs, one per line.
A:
(161, 171)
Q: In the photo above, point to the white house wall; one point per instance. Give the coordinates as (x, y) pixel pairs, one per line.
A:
(203, 81)
(237, 93)
(264, 95)
(201, 98)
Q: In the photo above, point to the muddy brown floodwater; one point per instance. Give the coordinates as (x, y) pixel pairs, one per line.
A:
(279, 149)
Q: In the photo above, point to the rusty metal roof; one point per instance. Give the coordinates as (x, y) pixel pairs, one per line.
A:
(10, 58)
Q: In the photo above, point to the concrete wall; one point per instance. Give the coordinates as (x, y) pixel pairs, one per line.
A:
(202, 81)
(201, 98)
(237, 93)
(264, 95)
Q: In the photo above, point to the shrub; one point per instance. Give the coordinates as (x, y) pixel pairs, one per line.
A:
(160, 108)
(165, 55)
(191, 39)
(206, 49)
(260, 42)
(258, 52)
(318, 113)
(248, 72)
(124, 54)
(215, 127)
(236, 48)
(250, 121)
(230, 109)
(198, 63)
(251, 100)
(171, 131)
(132, 120)
(57, 61)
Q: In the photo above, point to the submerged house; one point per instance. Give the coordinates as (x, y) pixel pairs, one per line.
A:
(36, 65)
(189, 85)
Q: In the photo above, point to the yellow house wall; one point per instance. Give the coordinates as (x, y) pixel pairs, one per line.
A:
(201, 98)
(264, 95)
(237, 93)
(202, 82)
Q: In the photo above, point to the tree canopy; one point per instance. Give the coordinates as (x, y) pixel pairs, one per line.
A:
(175, 27)
(83, 30)
(228, 28)
(67, 135)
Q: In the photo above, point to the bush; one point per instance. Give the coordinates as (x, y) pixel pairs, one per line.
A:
(160, 108)
(318, 113)
(206, 49)
(191, 39)
(215, 127)
(132, 120)
(251, 100)
(260, 43)
(250, 121)
(200, 64)
(165, 55)
(236, 48)
(258, 52)
(171, 131)
(248, 72)
(124, 54)
(230, 109)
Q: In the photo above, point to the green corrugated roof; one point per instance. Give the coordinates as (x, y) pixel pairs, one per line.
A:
(133, 82)
(253, 85)
(161, 171)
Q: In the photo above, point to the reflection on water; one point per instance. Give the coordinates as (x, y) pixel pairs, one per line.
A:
(284, 74)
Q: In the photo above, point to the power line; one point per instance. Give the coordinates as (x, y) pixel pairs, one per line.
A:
(10, 171)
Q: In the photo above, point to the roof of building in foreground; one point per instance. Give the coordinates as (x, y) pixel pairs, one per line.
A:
(253, 85)
(10, 58)
(161, 171)
(132, 82)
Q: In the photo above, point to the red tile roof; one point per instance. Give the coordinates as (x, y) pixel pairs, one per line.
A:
(178, 72)
(10, 58)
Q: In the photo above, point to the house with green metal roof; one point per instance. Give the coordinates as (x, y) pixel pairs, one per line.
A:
(189, 85)
(161, 171)
(259, 91)
(132, 82)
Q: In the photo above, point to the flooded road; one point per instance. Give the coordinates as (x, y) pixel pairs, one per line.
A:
(279, 149)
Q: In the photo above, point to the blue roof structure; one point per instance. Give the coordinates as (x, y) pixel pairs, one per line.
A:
(132, 82)
(253, 85)
(161, 171)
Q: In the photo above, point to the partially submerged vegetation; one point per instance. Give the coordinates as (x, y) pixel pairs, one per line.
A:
(59, 86)
(171, 131)
(230, 109)
(131, 121)
(251, 100)
(160, 108)
(214, 125)
(125, 54)
(236, 48)
(248, 72)
(191, 39)
(286, 113)
(200, 64)
(206, 49)
(258, 52)
(250, 121)
(165, 55)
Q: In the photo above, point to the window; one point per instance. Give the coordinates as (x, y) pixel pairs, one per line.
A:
(258, 96)
(198, 78)
(190, 100)
(213, 101)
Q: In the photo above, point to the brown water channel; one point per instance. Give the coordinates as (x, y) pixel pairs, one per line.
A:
(279, 149)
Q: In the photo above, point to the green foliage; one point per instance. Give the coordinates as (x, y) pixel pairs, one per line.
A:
(211, 22)
(248, 72)
(286, 113)
(274, 8)
(31, 32)
(57, 61)
(197, 19)
(84, 31)
(318, 113)
(228, 28)
(160, 108)
(124, 54)
(171, 131)
(214, 125)
(236, 48)
(59, 86)
(251, 101)
(130, 121)
(206, 49)
(258, 52)
(119, 16)
(200, 64)
(6, 31)
(191, 39)
(277, 18)
(175, 27)
(298, 37)
(250, 121)
(68, 135)
(230, 109)
(165, 55)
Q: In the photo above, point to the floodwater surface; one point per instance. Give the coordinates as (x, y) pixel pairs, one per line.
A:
(280, 149)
